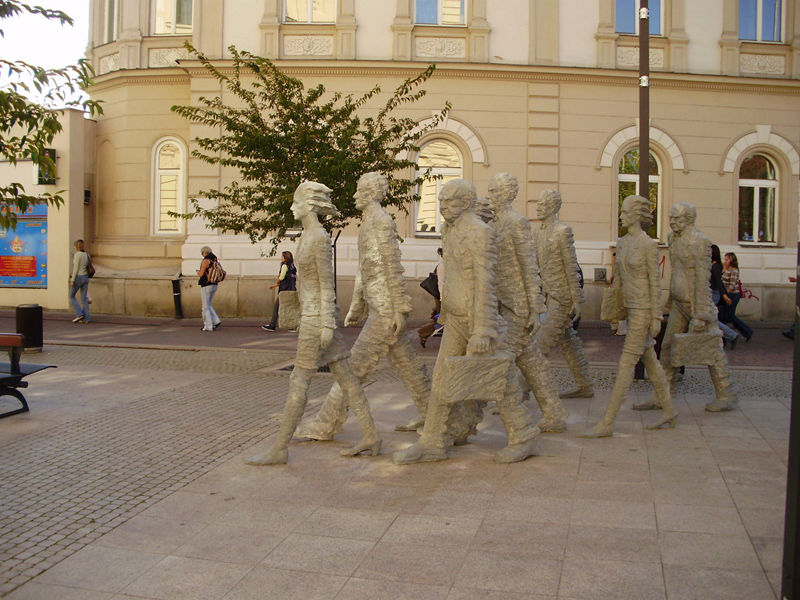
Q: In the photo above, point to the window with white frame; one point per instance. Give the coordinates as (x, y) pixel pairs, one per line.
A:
(758, 198)
(309, 11)
(626, 15)
(168, 187)
(110, 20)
(628, 185)
(440, 12)
(173, 17)
(444, 161)
(762, 20)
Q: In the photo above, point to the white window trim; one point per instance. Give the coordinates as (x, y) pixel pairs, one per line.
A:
(760, 22)
(155, 197)
(458, 172)
(439, 16)
(174, 20)
(310, 15)
(756, 185)
(634, 177)
(110, 31)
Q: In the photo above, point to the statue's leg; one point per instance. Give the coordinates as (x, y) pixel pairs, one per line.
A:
(357, 401)
(535, 368)
(676, 323)
(572, 349)
(659, 380)
(546, 336)
(292, 413)
(625, 372)
(414, 375)
(723, 384)
(518, 422)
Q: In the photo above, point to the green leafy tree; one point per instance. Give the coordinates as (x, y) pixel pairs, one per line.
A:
(279, 134)
(27, 128)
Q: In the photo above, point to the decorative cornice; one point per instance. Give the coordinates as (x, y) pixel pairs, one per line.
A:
(524, 73)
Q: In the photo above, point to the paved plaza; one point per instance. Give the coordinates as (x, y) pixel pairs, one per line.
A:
(126, 480)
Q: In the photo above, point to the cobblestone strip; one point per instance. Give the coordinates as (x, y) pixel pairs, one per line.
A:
(66, 486)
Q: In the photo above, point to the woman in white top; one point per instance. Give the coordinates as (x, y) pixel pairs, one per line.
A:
(80, 281)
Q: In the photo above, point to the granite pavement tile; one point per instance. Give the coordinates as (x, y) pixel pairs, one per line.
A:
(283, 584)
(179, 578)
(360, 589)
(613, 513)
(545, 540)
(602, 579)
(43, 591)
(319, 554)
(613, 543)
(151, 534)
(708, 551)
(695, 583)
(352, 523)
(430, 530)
(699, 519)
(228, 543)
(510, 572)
(416, 564)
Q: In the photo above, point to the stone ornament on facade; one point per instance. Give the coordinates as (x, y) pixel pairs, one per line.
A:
(319, 343)
(444, 47)
(628, 56)
(308, 45)
(165, 57)
(558, 266)
(473, 328)
(692, 309)
(380, 296)
(637, 279)
(762, 64)
(108, 63)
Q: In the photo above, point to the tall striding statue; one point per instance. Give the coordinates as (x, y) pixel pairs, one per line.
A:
(380, 295)
(318, 341)
(473, 328)
(637, 280)
(692, 309)
(558, 265)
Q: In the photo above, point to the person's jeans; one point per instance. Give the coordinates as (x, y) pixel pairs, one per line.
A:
(729, 316)
(210, 318)
(274, 322)
(81, 282)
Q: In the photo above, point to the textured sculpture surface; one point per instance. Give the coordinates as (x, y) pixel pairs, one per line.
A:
(472, 327)
(638, 279)
(558, 265)
(691, 308)
(380, 296)
(318, 341)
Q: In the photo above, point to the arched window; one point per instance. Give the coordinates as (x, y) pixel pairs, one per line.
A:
(758, 197)
(628, 184)
(444, 160)
(168, 187)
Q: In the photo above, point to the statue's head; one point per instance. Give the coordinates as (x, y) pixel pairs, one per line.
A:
(372, 187)
(549, 204)
(503, 188)
(681, 216)
(456, 196)
(635, 209)
(484, 209)
(313, 197)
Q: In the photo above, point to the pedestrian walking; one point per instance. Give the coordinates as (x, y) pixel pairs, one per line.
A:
(207, 290)
(730, 277)
(81, 264)
(719, 295)
(286, 281)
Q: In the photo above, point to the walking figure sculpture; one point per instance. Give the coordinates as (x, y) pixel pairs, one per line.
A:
(472, 327)
(692, 309)
(558, 266)
(637, 280)
(319, 343)
(380, 295)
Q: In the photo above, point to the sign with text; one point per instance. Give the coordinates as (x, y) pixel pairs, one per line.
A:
(23, 255)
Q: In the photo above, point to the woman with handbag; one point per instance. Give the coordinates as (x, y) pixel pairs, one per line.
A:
(81, 267)
(286, 281)
(730, 277)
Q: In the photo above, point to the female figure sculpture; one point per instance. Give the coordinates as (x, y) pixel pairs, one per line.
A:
(637, 279)
(318, 341)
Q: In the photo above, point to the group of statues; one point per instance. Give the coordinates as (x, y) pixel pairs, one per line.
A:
(509, 295)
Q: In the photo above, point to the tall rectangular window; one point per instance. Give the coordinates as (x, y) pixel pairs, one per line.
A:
(627, 16)
(761, 20)
(439, 12)
(309, 11)
(173, 17)
(110, 21)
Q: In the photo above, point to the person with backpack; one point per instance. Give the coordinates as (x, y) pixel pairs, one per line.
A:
(210, 274)
(82, 270)
(287, 281)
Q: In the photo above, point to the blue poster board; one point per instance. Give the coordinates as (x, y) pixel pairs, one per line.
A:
(23, 254)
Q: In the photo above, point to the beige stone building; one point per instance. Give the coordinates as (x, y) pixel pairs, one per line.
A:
(543, 89)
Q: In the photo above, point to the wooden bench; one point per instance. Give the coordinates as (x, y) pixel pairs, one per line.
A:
(12, 373)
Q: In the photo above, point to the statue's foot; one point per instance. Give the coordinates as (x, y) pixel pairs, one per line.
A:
(412, 425)
(651, 405)
(372, 446)
(516, 452)
(598, 431)
(721, 405)
(274, 456)
(552, 424)
(669, 421)
(418, 452)
(581, 392)
(314, 431)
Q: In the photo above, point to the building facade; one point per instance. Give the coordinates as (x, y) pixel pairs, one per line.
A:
(544, 89)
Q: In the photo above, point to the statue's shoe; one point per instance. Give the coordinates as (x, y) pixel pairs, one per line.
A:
(314, 431)
(516, 452)
(581, 392)
(721, 405)
(551, 424)
(598, 431)
(413, 425)
(273, 456)
(418, 452)
(373, 447)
